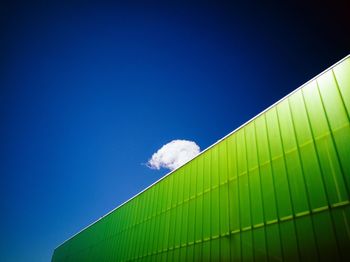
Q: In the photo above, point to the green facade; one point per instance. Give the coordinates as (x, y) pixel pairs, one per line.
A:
(276, 189)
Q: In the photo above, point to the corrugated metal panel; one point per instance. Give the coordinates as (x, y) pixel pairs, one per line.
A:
(277, 189)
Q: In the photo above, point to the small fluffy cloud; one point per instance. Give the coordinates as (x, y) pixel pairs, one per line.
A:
(173, 154)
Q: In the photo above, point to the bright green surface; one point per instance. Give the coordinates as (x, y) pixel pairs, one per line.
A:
(277, 189)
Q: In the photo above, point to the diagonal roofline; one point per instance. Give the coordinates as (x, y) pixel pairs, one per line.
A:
(223, 138)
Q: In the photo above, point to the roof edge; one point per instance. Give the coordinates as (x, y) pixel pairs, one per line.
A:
(218, 141)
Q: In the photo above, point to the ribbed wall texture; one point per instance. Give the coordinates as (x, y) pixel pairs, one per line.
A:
(277, 189)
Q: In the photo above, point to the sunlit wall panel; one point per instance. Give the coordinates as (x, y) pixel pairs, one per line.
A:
(276, 189)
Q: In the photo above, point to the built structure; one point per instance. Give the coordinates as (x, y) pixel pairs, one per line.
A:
(275, 189)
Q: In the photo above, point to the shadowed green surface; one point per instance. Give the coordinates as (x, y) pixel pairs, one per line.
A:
(277, 189)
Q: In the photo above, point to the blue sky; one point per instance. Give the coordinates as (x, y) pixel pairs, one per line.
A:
(89, 91)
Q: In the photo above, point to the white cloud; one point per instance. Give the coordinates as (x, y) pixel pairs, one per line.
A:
(173, 154)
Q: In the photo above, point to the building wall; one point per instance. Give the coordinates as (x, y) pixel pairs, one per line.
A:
(276, 189)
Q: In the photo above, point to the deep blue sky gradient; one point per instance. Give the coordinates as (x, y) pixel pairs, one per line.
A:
(88, 91)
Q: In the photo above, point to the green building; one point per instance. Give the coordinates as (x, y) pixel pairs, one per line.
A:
(275, 189)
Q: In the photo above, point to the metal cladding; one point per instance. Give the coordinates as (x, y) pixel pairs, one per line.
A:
(276, 189)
